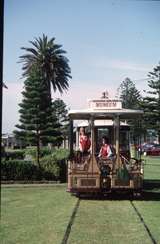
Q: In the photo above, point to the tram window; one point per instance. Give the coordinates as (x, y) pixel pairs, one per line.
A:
(100, 133)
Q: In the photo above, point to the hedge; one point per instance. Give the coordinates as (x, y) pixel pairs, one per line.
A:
(14, 154)
(53, 166)
(24, 170)
(56, 164)
(59, 153)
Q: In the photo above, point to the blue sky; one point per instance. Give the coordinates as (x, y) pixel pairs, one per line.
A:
(105, 41)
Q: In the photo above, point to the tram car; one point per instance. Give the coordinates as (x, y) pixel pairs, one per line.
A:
(90, 170)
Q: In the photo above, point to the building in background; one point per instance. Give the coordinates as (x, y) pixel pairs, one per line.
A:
(9, 141)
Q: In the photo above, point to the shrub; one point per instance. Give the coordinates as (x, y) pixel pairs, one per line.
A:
(31, 151)
(14, 154)
(56, 163)
(53, 167)
(61, 154)
(26, 170)
(44, 151)
(50, 166)
(63, 170)
(19, 170)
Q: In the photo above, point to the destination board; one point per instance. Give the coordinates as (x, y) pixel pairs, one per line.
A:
(105, 104)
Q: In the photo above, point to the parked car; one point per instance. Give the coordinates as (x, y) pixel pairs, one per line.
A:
(144, 148)
(154, 151)
(148, 146)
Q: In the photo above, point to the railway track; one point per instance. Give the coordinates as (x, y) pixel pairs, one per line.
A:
(144, 224)
(70, 223)
(135, 209)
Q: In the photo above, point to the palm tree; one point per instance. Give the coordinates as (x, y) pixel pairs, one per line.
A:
(47, 58)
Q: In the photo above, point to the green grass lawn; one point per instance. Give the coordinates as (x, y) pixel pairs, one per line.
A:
(37, 215)
(107, 222)
(150, 211)
(152, 168)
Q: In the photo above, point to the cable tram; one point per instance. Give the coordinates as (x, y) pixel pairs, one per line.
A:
(91, 172)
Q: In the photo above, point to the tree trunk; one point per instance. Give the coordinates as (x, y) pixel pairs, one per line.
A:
(38, 151)
(49, 88)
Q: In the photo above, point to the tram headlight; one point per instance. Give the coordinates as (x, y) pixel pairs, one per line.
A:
(104, 180)
(141, 170)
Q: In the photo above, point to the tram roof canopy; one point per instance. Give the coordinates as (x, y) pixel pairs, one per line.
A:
(105, 114)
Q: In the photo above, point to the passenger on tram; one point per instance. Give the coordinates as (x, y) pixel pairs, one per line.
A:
(105, 151)
(84, 141)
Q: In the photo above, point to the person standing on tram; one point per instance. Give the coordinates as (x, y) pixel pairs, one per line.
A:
(105, 151)
(84, 141)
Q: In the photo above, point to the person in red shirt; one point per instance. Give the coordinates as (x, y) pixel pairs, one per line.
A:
(84, 141)
(105, 151)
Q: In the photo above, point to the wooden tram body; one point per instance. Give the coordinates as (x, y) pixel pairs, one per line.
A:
(98, 175)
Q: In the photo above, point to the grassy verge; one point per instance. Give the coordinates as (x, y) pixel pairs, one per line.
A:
(150, 211)
(35, 215)
(152, 168)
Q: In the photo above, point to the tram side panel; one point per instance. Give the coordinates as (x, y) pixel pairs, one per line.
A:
(84, 176)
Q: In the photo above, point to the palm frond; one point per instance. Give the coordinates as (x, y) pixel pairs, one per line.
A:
(48, 58)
